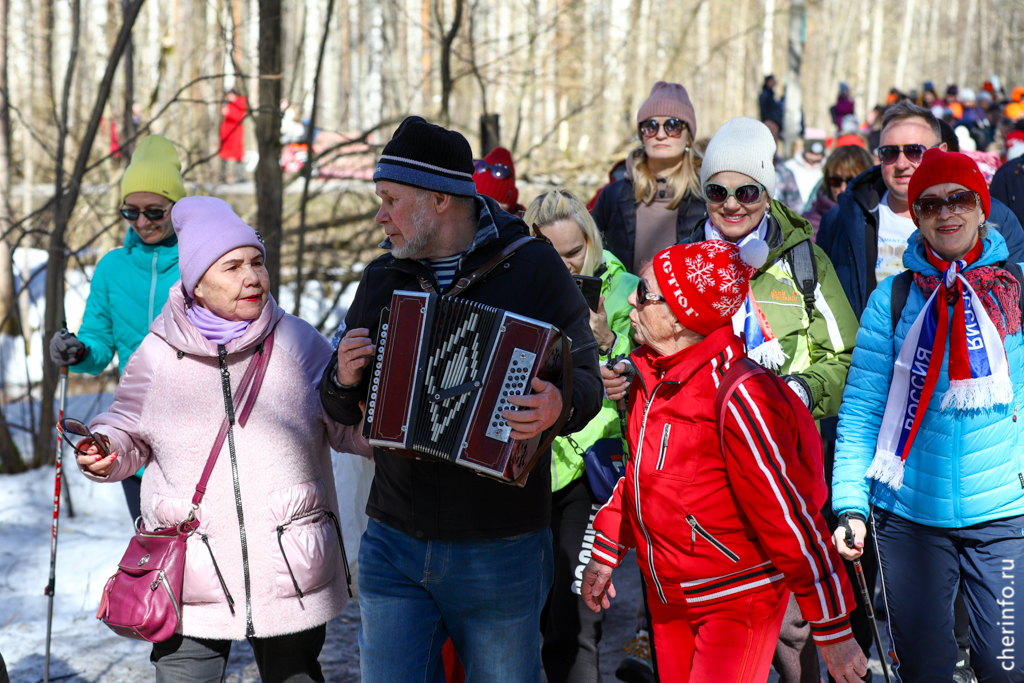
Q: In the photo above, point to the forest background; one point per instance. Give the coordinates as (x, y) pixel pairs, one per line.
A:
(558, 82)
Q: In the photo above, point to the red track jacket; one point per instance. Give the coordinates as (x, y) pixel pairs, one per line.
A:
(707, 525)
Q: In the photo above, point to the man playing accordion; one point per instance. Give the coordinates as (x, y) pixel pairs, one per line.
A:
(448, 553)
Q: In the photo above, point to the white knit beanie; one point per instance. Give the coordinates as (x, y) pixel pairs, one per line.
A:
(743, 145)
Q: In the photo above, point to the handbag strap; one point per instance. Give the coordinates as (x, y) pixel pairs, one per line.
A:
(468, 281)
(253, 375)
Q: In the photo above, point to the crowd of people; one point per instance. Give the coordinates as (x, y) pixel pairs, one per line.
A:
(785, 365)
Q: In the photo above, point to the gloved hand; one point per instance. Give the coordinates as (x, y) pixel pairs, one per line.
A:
(67, 350)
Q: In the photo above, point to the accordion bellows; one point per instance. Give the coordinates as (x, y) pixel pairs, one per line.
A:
(442, 375)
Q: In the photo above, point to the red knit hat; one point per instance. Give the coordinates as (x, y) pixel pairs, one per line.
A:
(501, 190)
(939, 167)
(705, 283)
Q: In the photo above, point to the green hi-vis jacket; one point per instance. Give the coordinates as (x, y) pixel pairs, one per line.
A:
(818, 348)
(567, 460)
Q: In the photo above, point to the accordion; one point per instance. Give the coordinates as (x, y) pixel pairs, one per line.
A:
(443, 373)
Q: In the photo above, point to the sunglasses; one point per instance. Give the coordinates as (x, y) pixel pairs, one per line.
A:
(152, 214)
(499, 171)
(72, 427)
(672, 127)
(838, 180)
(963, 201)
(644, 296)
(747, 193)
(888, 154)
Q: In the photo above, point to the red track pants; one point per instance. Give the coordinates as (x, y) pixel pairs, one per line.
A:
(725, 642)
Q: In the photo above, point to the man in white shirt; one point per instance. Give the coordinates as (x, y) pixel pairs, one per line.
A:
(806, 165)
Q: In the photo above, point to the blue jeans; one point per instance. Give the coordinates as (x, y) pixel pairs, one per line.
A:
(923, 567)
(486, 596)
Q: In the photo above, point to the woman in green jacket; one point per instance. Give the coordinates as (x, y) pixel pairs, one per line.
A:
(130, 285)
(805, 334)
(571, 631)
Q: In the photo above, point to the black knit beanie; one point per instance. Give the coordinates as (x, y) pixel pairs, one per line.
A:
(429, 157)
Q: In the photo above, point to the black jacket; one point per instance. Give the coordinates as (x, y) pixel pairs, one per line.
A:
(615, 215)
(439, 501)
(1008, 186)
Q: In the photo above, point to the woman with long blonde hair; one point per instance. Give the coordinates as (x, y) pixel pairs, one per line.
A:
(659, 201)
(579, 483)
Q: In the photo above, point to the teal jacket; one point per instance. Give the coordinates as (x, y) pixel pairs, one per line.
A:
(128, 290)
(566, 458)
(964, 468)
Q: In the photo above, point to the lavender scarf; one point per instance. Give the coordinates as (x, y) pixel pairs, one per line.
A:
(215, 328)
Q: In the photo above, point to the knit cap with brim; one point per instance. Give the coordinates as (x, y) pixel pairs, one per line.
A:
(428, 157)
(154, 168)
(742, 145)
(672, 100)
(208, 228)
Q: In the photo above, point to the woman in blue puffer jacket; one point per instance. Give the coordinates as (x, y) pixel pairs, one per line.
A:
(943, 486)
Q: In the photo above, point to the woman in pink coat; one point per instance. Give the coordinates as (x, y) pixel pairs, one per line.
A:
(266, 562)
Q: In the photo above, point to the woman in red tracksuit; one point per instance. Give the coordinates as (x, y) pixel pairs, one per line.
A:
(721, 537)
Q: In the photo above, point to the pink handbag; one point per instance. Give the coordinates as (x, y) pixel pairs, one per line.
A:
(143, 599)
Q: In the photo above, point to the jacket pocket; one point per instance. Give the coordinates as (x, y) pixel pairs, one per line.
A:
(698, 530)
(680, 446)
(306, 540)
(201, 582)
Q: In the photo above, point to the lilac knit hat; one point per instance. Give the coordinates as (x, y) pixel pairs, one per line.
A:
(207, 228)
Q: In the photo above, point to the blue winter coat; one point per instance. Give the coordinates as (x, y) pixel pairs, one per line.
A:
(844, 230)
(128, 290)
(964, 467)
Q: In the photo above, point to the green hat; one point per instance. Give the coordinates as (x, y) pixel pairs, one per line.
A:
(154, 168)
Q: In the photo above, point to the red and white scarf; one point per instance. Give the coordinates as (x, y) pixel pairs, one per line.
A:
(979, 376)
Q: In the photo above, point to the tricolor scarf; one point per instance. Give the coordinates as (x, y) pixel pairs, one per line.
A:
(762, 346)
(979, 376)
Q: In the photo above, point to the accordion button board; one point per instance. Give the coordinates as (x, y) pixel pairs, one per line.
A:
(443, 375)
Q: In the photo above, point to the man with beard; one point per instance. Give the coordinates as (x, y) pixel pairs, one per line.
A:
(447, 553)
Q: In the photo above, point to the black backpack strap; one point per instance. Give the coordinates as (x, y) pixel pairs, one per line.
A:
(804, 267)
(1015, 270)
(900, 291)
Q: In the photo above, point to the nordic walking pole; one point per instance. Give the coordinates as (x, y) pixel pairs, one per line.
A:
(56, 512)
(60, 416)
(868, 602)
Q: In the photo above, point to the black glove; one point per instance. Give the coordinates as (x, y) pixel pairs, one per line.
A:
(67, 350)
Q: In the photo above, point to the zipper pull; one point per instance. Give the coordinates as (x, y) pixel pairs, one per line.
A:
(692, 521)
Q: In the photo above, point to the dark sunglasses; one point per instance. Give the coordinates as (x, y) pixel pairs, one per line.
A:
(747, 193)
(888, 154)
(672, 127)
(152, 214)
(963, 201)
(838, 180)
(71, 427)
(499, 171)
(643, 295)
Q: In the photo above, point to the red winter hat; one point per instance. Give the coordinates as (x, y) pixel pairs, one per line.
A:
(501, 190)
(705, 283)
(939, 167)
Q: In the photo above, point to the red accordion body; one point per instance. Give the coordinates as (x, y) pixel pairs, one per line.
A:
(442, 375)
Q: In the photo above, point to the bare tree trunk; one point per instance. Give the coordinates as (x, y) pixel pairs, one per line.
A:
(967, 56)
(307, 169)
(44, 53)
(876, 55)
(794, 61)
(862, 62)
(65, 204)
(10, 460)
(269, 190)
(127, 135)
(768, 43)
(447, 38)
(905, 42)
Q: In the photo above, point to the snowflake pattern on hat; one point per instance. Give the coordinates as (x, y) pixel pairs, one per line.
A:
(731, 280)
(700, 273)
